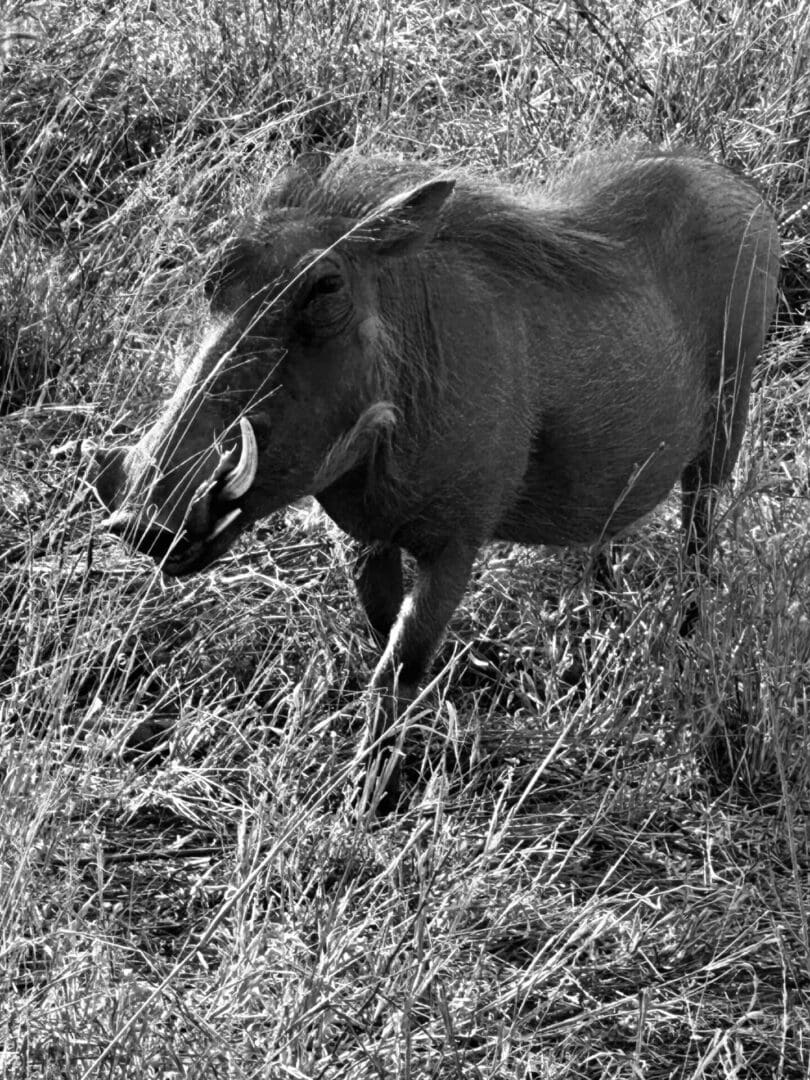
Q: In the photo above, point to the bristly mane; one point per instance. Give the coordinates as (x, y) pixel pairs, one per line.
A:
(521, 238)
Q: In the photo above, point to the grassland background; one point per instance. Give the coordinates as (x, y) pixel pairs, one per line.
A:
(603, 867)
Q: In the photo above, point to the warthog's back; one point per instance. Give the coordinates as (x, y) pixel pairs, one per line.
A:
(640, 380)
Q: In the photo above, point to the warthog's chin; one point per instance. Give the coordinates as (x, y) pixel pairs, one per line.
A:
(187, 556)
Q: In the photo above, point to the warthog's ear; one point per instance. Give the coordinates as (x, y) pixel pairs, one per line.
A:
(409, 219)
(293, 184)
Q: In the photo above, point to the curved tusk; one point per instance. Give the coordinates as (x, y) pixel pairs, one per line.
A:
(240, 478)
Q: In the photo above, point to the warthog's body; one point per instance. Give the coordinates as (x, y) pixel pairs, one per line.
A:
(442, 363)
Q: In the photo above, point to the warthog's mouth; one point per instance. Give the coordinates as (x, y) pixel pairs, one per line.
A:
(177, 553)
(214, 518)
(187, 556)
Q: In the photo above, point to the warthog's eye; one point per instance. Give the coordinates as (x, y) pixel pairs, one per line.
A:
(324, 305)
(325, 285)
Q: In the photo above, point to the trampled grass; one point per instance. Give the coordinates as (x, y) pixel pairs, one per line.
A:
(601, 868)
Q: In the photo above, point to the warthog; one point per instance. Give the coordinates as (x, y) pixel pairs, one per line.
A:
(443, 362)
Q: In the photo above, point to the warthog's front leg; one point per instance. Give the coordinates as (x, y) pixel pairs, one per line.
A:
(423, 618)
(378, 579)
(414, 638)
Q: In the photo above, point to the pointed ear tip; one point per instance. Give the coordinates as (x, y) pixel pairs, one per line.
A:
(439, 185)
(434, 192)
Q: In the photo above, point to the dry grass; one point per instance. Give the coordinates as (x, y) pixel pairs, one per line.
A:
(603, 867)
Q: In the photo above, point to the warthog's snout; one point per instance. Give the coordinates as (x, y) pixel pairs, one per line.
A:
(207, 518)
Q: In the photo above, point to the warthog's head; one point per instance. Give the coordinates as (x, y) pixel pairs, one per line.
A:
(288, 389)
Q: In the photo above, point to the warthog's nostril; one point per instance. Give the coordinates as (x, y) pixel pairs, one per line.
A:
(106, 474)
